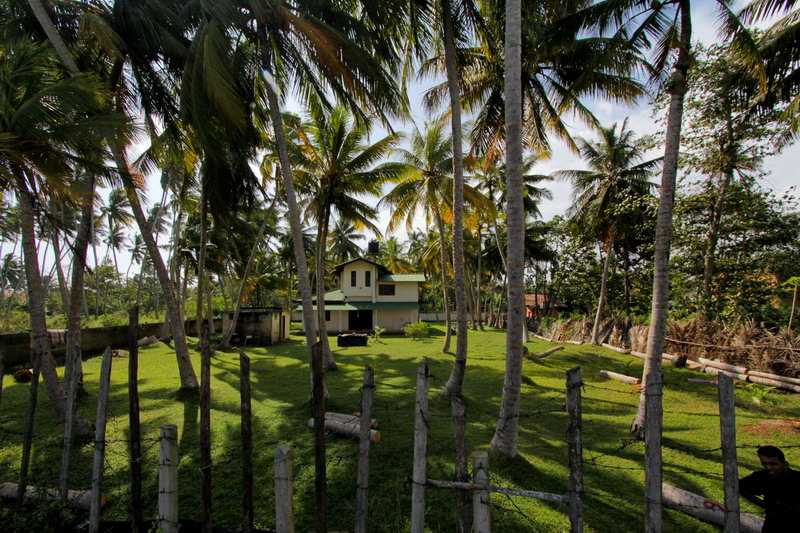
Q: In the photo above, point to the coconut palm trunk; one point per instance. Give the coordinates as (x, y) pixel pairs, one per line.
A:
(445, 292)
(478, 301)
(649, 416)
(601, 301)
(77, 294)
(188, 377)
(201, 262)
(40, 344)
(505, 436)
(62, 282)
(294, 219)
(713, 238)
(243, 283)
(455, 382)
(322, 239)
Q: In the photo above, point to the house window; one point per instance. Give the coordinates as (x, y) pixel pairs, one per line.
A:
(367, 278)
(386, 290)
(353, 278)
(327, 316)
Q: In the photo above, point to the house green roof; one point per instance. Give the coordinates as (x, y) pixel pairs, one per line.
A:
(419, 278)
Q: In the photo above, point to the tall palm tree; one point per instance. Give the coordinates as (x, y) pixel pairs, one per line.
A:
(505, 436)
(52, 123)
(426, 185)
(118, 217)
(393, 257)
(616, 172)
(342, 240)
(334, 166)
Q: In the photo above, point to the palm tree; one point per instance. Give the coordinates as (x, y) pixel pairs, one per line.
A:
(342, 240)
(426, 185)
(393, 257)
(52, 124)
(616, 172)
(118, 217)
(334, 166)
(505, 436)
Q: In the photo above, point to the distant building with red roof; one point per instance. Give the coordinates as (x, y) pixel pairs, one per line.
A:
(537, 306)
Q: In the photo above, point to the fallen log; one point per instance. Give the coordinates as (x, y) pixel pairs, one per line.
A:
(615, 348)
(723, 366)
(574, 342)
(718, 371)
(542, 338)
(712, 382)
(80, 499)
(668, 356)
(621, 377)
(350, 419)
(785, 379)
(774, 383)
(707, 510)
(144, 341)
(344, 429)
(545, 353)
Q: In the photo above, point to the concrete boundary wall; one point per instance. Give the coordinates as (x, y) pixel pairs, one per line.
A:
(16, 346)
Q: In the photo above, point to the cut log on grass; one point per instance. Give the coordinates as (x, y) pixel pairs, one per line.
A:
(630, 380)
(344, 429)
(774, 383)
(350, 419)
(80, 499)
(545, 353)
(574, 342)
(144, 341)
(722, 366)
(542, 338)
(698, 381)
(776, 377)
(615, 348)
(718, 371)
(705, 509)
(667, 356)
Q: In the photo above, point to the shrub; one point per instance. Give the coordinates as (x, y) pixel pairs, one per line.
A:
(416, 330)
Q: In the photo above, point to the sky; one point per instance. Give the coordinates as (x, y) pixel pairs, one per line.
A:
(782, 168)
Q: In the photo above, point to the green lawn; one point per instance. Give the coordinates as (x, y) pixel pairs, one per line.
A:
(613, 475)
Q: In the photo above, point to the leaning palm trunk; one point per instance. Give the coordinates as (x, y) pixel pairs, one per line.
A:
(455, 382)
(319, 260)
(601, 301)
(62, 282)
(649, 415)
(445, 293)
(294, 222)
(226, 339)
(713, 237)
(505, 436)
(185, 369)
(40, 345)
(77, 294)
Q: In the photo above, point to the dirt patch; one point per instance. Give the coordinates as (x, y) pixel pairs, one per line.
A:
(768, 427)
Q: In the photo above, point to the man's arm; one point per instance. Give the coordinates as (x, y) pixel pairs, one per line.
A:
(753, 498)
(749, 488)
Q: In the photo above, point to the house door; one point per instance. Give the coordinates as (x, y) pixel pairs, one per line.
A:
(360, 320)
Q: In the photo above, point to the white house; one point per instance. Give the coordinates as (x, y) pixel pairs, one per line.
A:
(370, 296)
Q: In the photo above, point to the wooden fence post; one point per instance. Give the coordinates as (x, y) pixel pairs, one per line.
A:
(458, 412)
(27, 438)
(71, 386)
(247, 444)
(318, 412)
(168, 479)
(362, 484)
(727, 426)
(481, 516)
(205, 427)
(575, 450)
(100, 442)
(284, 491)
(2, 373)
(419, 477)
(133, 419)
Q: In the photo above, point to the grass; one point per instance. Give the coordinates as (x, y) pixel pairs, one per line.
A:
(613, 475)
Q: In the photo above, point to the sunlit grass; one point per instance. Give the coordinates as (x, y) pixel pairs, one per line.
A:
(613, 475)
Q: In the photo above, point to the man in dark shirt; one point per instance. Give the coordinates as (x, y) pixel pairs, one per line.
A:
(776, 488)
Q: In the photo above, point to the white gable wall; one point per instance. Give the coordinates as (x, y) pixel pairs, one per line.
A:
(360, 292)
